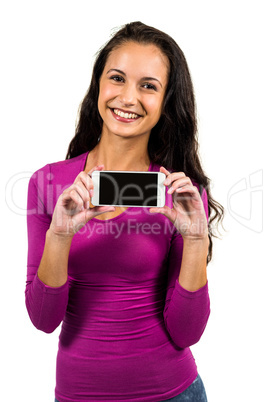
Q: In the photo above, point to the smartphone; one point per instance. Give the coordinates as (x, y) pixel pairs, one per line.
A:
(128, 188)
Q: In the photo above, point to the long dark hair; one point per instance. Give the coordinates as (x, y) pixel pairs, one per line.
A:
(173, 141)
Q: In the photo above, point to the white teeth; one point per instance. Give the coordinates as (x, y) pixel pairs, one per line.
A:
(125, 115)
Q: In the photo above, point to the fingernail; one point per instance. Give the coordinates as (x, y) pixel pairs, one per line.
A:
(167, 182)
(87, 205)
(91, 193)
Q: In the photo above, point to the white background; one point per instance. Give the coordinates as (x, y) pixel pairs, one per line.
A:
(47, 52)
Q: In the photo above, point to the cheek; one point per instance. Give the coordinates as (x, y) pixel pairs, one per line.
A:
(154, 106)
(107, 92)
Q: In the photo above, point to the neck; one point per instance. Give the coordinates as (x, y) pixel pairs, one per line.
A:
(122, 153)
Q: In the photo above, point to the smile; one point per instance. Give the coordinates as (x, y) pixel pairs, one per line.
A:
(125, 115)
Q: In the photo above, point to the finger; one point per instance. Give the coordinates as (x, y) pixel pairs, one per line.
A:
(188, 188)
(87, 181)
(98, 167)
(84, 178)
(79, 194)
(89, 174)
(166, 211)
(83, 192)
(95, 211)
(160, 210)
(164, 170)
(72, 200)
(187, 195)
(181, 182)
(174, 176)
(170, 177)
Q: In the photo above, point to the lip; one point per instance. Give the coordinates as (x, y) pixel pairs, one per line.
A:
(123, 119)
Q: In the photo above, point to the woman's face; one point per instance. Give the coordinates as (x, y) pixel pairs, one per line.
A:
(132, 89)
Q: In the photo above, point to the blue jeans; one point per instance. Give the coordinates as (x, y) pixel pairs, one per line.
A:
(194, 393)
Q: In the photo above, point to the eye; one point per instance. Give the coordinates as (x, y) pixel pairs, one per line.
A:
(117, 78)
(147, 85)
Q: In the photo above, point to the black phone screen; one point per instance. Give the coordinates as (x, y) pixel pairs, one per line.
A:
(117, 188)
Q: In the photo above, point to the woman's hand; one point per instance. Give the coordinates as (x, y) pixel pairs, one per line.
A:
(188, 214)
(72, 210)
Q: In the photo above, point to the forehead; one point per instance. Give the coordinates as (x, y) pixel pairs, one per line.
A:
(141, 59)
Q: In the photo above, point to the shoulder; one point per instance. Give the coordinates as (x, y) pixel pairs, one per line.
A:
(61, 170)
(154, 167)
(67, 165)
(48, 182)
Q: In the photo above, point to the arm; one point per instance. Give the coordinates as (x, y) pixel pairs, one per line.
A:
(187, 306)
(49, 242)
(53, 268)
(193, 272)
(46, 301)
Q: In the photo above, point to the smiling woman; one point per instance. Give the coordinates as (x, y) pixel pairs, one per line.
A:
(132, 89)
(133, 300)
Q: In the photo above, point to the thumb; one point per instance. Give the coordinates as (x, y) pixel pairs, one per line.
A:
(164, 211)
(92, 212)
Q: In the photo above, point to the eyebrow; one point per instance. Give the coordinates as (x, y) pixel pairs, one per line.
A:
(143, 78)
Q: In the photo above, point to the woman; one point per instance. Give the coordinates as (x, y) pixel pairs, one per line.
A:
(131, 300)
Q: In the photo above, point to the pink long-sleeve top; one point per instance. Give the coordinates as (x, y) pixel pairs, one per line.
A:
(127, 324)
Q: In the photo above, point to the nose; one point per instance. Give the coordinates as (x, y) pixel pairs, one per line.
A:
(128, 95)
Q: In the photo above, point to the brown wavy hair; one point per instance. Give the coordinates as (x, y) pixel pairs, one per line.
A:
(173, 141)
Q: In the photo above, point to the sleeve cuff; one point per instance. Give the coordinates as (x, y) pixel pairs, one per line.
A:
(49, 289)
(189, 294)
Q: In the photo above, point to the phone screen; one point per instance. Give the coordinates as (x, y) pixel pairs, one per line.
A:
(128, 188)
